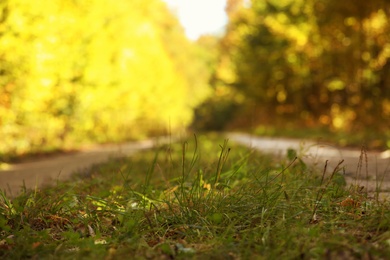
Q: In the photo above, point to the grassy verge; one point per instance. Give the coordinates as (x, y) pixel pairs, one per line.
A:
(198, 199)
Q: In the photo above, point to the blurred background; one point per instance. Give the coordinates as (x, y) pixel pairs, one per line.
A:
(76, 72)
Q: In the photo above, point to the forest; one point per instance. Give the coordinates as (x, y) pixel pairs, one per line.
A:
(305, 64)
(74, 72)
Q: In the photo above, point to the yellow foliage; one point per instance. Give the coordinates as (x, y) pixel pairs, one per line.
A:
(94, 70)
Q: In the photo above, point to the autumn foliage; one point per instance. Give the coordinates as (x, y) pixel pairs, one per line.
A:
(313, 63)
(93, 71)
(107, 71)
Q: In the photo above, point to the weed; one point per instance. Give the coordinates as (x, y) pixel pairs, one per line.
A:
(197, 199)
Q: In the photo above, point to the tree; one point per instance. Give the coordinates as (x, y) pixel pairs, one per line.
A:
(77, 71)
(322, 63)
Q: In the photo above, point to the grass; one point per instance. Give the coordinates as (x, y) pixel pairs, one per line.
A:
(198, 199)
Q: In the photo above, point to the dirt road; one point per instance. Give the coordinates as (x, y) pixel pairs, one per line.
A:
(373, 173)
(58, 168)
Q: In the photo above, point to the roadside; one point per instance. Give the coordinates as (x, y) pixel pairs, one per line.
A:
(48, 171)
(370, 169)
(194, 200)
(373, 172)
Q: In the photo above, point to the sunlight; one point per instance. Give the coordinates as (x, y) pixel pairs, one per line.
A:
(200, 16)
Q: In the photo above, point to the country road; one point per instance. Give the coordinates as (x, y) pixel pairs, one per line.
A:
(55, 168)
(59, 168)
(374, 173)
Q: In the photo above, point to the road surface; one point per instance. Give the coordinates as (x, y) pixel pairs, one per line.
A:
(59, 168)
(56, 168)
(373, 173)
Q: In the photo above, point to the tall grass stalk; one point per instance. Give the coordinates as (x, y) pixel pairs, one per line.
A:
(323, 188)
(223, 156)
